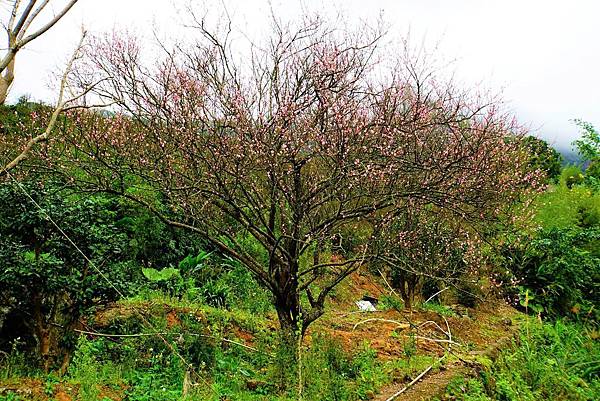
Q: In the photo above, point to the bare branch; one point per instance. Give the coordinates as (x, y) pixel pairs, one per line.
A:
(18, 38)
(58, 109)
(49, 25)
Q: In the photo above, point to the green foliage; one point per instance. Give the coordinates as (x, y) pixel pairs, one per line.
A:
(438, 308)
(191, 264)
(216, 280)
(168, 279)
(38, 259)
(571, 176)
(466, 389)
(333, 374)
(146, 367)
(11, 396)
(390, 302)
(152, 243)
(83, 370)
(559, 269)
(551, 361)
(224, 282)
(561, 207)
(328, 371)
(20, 119)
(43, 275)
(592, 173)
(543, 157)
(410, 347)
(160, 380)
(165, 274)
(14, 362)
(370, 375)
(588, 146)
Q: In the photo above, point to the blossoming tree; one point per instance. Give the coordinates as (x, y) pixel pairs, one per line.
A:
(288, 144)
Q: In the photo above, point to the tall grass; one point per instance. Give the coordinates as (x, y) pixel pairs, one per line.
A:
(549, 361)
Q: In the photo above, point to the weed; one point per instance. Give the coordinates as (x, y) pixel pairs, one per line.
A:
(551, 361)
(83, 369)
(440, 309)
(11, 396)
(390, 302)
(461, 388)
(14, 362)
(410, 346)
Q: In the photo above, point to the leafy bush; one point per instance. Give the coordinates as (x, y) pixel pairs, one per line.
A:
(43, 276)
(571, 176)
(226, 283)
(559, 270)
(543, 157)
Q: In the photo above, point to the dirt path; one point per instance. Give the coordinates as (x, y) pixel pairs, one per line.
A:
(432, 385)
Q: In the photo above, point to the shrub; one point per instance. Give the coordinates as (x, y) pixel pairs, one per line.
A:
(559, 270)
(555, 361)
(225, 283)
(43, 276)
(571, 175)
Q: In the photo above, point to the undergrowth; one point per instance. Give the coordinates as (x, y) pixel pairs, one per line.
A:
(549, 361)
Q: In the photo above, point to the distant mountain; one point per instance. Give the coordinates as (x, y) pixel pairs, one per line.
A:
(569, 155)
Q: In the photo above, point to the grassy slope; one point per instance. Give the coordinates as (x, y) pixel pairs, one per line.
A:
(345, 355)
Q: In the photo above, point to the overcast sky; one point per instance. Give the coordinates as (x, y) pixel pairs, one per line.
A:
(543, 55)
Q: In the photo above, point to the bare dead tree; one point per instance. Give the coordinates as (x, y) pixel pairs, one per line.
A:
(67, 99)
(22, 15)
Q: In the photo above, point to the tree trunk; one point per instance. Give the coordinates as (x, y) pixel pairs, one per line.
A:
(409, 286)
(289, 337)
(65, 362)
(287, 300)
(288, 315)
(6, 79)
(42, 332)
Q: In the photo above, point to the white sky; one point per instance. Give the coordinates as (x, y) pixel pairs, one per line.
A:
(544, 55)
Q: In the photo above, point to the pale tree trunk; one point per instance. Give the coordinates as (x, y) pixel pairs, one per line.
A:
(6, 80)
(21, 16)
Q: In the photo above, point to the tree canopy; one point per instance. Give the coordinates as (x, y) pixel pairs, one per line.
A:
(291, 147)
